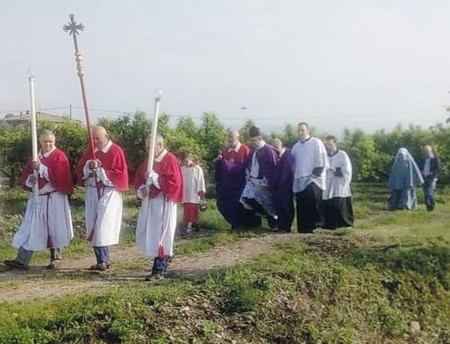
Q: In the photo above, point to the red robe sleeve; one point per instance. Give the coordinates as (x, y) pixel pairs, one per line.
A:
(139, 177)
(116, 167)
(59, 172)
(171, 178)
(79, 172)
(27, 170)
(114, 164)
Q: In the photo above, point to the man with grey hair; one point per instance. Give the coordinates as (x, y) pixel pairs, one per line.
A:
(47, 222)
(230, 182)
(160, 190)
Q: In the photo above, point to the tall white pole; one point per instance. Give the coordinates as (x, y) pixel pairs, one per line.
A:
(151, 151)
(34, 143)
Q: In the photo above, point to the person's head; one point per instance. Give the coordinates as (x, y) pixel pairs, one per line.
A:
(159, 144)
(47, 140)
(233, 138)
(100, 136)
(427, 151)
(331, 144)
(402, 153)
(303, 130)
(255, 137)
(188, 159)
(277, 144)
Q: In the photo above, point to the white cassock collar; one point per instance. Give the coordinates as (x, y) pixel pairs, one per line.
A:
(105, 148)
(306, 140)
(261, 145)
(161, 155)
(46, 155)
(235, 149)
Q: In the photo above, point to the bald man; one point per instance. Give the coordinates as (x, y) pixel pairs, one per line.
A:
(160, 190)
(105, 178)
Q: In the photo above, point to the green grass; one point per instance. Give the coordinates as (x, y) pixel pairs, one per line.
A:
(369, 285)
(327, 288)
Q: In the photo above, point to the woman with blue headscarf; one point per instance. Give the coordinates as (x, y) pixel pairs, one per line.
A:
(403, 180)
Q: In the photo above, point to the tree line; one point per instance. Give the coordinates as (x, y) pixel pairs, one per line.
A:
(371, 154)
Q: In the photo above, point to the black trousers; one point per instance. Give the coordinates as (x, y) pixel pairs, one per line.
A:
(309, 209)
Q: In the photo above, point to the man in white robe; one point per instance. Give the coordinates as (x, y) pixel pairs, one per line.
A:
(160, 190)
(105, 178)
(47, 222)
(337, 202)
(310, 162)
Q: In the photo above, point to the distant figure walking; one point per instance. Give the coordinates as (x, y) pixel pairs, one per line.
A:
(230, 182)
(283, 179)
(429, 167)
(194, 191)
(257, 194)
(337, 200)
(403, 180)
(310, 163)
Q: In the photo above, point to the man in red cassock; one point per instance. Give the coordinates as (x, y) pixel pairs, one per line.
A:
(47, 222)
(105, 178)
(160, 191)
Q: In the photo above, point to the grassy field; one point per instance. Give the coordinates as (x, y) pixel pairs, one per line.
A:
(387, 281)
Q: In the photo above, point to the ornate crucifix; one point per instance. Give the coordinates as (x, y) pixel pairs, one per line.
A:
(72, 27)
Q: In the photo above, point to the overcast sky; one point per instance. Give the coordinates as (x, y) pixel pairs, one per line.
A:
(336, 64)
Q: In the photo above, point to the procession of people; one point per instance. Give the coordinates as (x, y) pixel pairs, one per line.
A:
(260, 181)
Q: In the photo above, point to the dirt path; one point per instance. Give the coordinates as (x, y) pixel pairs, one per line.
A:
(72, 277)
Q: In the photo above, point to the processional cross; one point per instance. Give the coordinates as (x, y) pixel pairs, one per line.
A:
(73, 28)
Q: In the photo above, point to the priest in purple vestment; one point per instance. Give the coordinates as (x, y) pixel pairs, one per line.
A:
(283, 179)
(257, 194)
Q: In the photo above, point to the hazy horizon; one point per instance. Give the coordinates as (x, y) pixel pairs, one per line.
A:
(352, 64)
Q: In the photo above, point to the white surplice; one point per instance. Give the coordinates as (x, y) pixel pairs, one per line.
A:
(308, 155)
(338, 186)
(104, 215)
(46, 215)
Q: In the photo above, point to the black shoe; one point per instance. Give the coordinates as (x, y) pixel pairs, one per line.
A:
(14, 264)
(285, 230)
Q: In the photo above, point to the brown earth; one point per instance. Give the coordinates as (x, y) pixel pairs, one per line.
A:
(73, 277)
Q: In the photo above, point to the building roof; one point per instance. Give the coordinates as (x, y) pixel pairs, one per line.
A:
(25, 117)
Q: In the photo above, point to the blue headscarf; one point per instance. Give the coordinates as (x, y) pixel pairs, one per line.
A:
(405, 173)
